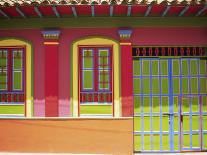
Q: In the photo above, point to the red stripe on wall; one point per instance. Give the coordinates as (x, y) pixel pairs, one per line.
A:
(126, 81)
(51, 80)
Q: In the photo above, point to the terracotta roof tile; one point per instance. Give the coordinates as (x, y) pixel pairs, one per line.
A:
(91, 2)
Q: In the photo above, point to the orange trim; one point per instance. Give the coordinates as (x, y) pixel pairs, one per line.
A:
(125, 43)
(51, 43)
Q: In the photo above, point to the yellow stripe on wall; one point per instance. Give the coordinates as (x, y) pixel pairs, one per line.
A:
(29, 98)
(91, 42)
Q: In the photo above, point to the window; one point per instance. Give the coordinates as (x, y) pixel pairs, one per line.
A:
(95, 75)
(11, 75)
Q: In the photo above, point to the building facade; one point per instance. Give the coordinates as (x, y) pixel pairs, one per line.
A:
(145, 61)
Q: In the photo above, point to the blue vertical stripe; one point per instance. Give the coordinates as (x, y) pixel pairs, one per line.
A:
(160, 89)
(151, 121)
(142, 111)
(171, 114)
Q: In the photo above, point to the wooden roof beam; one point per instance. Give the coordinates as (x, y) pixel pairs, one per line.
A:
(74, 11)
(4, 14)
(111, 11)
(55, 11)
(38, 11)
(166, 10)
(201, 11)
(148, 10)
(20, 12)
(129, 10)
(92, 11)
(184, 10)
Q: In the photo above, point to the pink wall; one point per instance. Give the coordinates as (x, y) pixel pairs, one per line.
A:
(140, 36)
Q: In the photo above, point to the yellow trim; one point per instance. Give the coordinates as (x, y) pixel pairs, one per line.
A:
(97, 41)
(125, 43)
(51, 43)
(29, 98)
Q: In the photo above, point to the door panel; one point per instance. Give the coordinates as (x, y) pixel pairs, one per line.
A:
(170, 104)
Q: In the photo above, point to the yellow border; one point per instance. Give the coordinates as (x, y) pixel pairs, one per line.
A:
(96, 41)
(51, 43)
(29, 98)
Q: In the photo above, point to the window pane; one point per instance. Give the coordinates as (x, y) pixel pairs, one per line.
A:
(136, 85)
(203, 67)
(156, 104)
(184, 67)
(3, 81)
(155, 68)
(194, 85)
(137, 103)
(175, 103)
(176, 85)
(136, 67)
(3, 59)
(146, 85)
(156, 123)
(103, 76)
(193, 67)
(176, 67)
(146, 104)
(87, 62)
(17, 80)
(155, 86)
(17, 59)
(164, 85)
(203, 85)
(146, 67)
(165, 107)
(88, 79)
(185, 85)
(164, 67)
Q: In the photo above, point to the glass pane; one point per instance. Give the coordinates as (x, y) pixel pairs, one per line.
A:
(156, 104)
(146, 67)
(195, 140)
(195, 104)
(146, 85)
(3, 81)
(204, 103)
(193, 67)
(195, 122)
(146, 104)
(104, 86)
(103, 76)
(176, 123)
(17, 80)
(146, 123)
(186, 140)
(204, 122)
(155, 67)
(176, 85)
(3, 58)
(165, 123)
(165, 142)
(205, 141)
(87, 62)
(87, 79)
(164, 85)
(175, 103)
(194, 85)
(185, 85)
(156, 142)
(164, 67)
(147, 145)
(103, 62)
(137, 123)
(165, 103)
(137, 86)
(155, 86)
(203, 85)
(17, 59)
(176, 142)
(137, 104)
(156, 123)
(87, 59)
(103, 53)
(136, 67)
(186, 123)
(137, 142)
(184, 67)
(203, 67)
(185, 104)
(176, 67)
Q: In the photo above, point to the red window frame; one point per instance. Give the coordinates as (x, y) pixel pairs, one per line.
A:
(95, 94)
(11, 96)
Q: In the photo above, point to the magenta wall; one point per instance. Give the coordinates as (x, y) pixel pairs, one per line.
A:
(140, 36)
